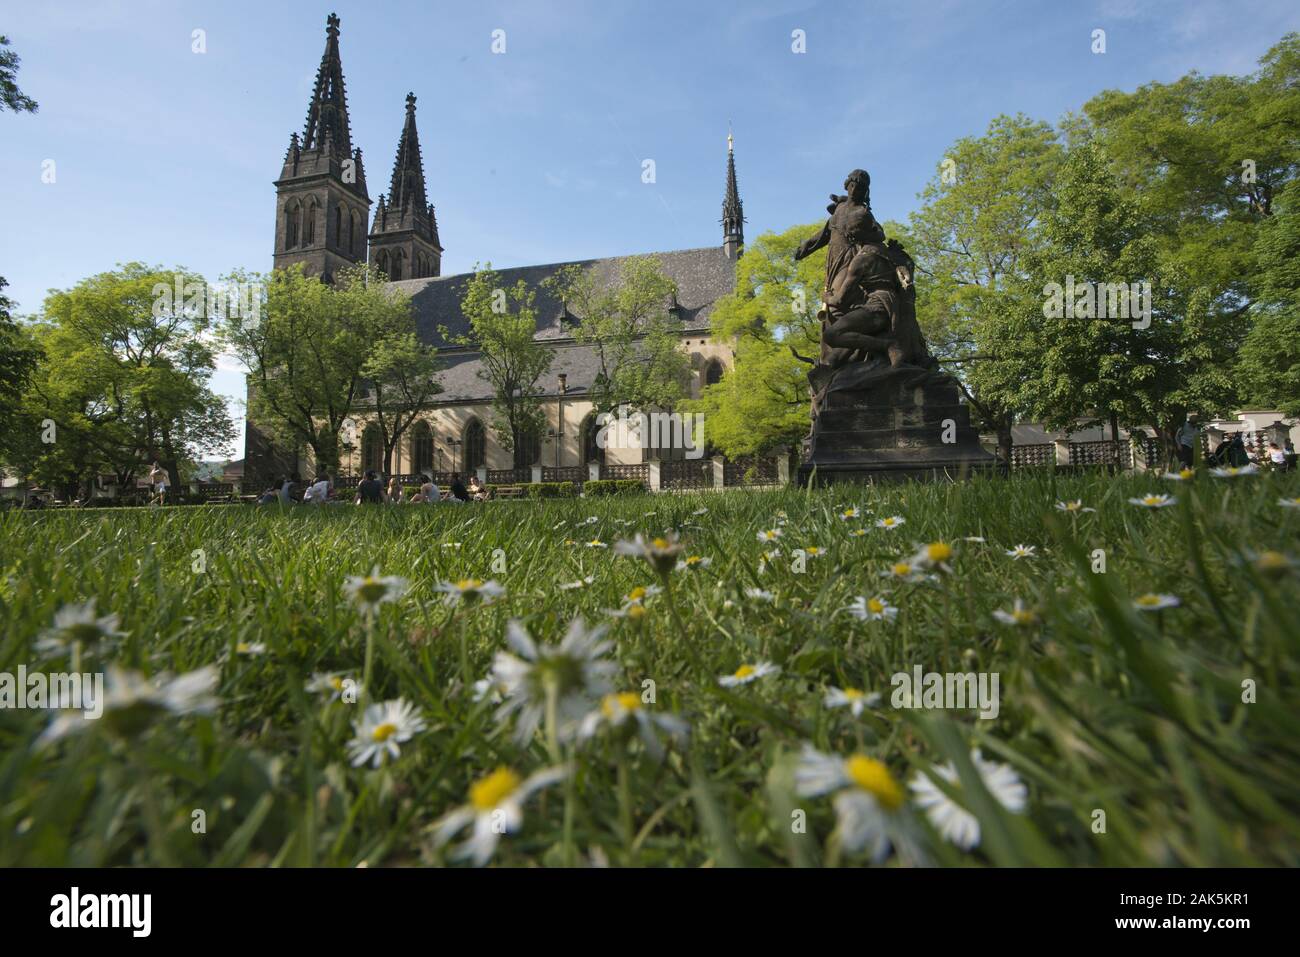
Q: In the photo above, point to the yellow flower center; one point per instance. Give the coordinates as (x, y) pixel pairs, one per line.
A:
(242, 647)
(744, 671)
(874, 778)
(875, 606)
(469, 584)
(694, 560)
(887, 522)
(1023, 616)
(853, 694)
(636, 611)
(660, 543)
(938, 551)
(1185, 473)
(1271, 561)
(486, 793)
(624, 700)
(336, 683)
(1151, 500)
(384, 732)
(637, 593)
(901, 568)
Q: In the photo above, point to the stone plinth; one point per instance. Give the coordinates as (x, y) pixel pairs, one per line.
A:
(875, 423)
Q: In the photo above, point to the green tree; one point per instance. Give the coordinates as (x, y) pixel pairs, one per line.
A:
(503, 327)
(980, 217)
(402, 373)
(11, 97)
(630, 327)
(306, 350)
(123, 375)
(1270, 357)
(18, 358)
(770, 319)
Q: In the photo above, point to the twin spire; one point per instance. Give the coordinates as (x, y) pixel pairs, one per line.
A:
(733, 212)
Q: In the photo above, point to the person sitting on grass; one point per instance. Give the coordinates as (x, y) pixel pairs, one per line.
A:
(269, 497)
(285, 494)
(370, 491)
(394, 491)
(459, 493)
(428, 493)
(476, 491)
(319, 493)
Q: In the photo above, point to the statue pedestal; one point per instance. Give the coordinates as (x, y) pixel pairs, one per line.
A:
(876, 423)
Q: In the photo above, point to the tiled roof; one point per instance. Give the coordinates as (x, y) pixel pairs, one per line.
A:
(702, 277)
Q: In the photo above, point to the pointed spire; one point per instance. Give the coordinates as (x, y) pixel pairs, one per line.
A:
(327, 113)
(407, 187)
(733, 212)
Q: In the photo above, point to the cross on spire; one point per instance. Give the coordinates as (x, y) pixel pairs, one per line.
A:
(733, 211)
(327, 113)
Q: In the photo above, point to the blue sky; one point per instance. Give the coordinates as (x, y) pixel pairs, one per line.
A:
(167, 156)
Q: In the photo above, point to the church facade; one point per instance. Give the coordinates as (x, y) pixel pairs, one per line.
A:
(324, 221)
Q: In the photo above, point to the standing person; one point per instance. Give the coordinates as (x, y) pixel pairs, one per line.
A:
(459, 493)
(1237, 454)
(1276, 456)
(394, 491)
(370, 491)
(286, 491)
(1187, 443)
(158, 481)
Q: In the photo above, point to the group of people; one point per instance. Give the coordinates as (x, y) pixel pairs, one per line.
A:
(372, 491)
(1233, 451)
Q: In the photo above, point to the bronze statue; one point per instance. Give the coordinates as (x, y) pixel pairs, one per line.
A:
(869, 300)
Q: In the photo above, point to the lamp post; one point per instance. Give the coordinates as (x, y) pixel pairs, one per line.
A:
(454, 444)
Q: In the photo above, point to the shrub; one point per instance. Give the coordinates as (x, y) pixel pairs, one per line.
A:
(613, 487)
(550, 490)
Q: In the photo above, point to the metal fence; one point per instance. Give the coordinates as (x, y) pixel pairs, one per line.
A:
(577, 474)
(1109, 453)
(749, 471)
(639, 472)
(509, 476)
(686, 473)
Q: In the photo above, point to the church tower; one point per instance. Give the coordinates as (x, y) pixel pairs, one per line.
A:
(322, 206)
(733, 213)
(404, 239)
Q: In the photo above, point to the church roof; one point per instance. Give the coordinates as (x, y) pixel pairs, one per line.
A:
(702, 277)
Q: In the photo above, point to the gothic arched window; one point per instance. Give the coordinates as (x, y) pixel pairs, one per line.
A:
(291, 218)
(338, 225)
(352, 233)
(475, 445)
(396, 274)
(381, 261)
(309, 227)
(421, 447)
(591, 449)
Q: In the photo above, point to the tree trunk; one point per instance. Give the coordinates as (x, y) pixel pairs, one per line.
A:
(1004, 443)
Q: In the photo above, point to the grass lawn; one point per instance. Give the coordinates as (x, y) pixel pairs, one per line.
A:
(1123, 735)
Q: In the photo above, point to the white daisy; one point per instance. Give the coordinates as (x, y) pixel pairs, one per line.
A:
(700, 511)
(747, 673)
(75, 624)
(1182, 475)
(577, 669)
(893, 521)
(904, 570)
(470, 591)
(866, 797)
(332, 683)
(934, 555)
(693, 563)
(131, 702)
(1018, 615)
(661, 553)
(1074, 506)
(872, 609)
(769, 535)
(1289, 502)
(953, 822)
(1152, 500)
(759, 594)
(850, 513)
(496, 807)
(1233, 471)
(1022, 551)
(1154, 602)
(858, 532)
(371, 591)
(380, 729)
(615, 711)
(596, 543)
(249, 649)
(580, 583)
(853, 699)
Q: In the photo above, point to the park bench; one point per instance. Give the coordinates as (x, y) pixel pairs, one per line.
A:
(212, 492)
(508, 491)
